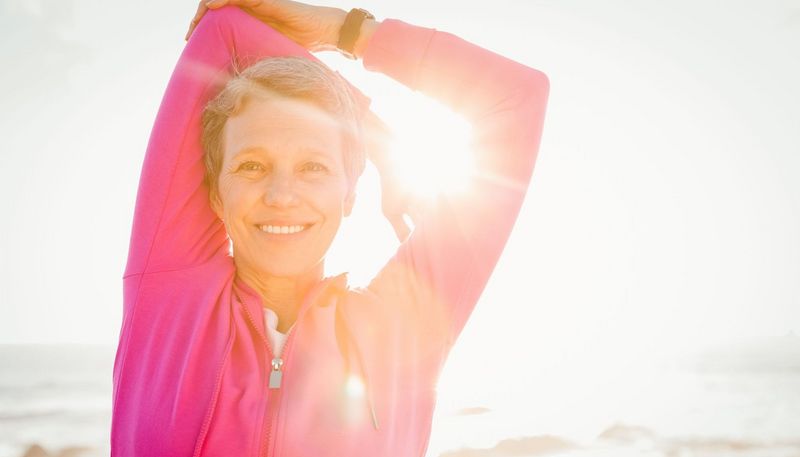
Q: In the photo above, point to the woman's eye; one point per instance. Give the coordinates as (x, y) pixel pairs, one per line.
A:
(250, 166)
(314, 166)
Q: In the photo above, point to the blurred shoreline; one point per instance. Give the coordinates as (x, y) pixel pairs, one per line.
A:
(737, 399)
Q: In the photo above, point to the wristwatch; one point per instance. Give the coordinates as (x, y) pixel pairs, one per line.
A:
(351, 29)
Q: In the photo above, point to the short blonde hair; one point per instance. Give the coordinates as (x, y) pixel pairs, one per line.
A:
(296, 78)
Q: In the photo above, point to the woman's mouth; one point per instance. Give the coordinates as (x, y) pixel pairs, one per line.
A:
(283, 229)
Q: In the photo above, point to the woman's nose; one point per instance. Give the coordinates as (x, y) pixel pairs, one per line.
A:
(280, 190)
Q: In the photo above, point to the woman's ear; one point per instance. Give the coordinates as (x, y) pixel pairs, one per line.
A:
(216, 204)
(349, 202)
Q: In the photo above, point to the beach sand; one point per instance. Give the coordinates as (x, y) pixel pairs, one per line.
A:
(616, 441)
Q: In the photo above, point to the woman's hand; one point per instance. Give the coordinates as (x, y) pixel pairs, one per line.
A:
(396, 200)
(316, 28)
(396, 204)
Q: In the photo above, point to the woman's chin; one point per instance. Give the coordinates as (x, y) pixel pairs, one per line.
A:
(281, 261)
(287, 268)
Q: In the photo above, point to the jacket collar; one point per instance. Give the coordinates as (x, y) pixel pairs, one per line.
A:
(320, 295)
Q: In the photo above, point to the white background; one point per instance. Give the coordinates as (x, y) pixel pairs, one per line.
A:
(662, 215)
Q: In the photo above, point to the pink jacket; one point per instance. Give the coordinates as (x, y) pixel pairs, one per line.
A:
(193, 374)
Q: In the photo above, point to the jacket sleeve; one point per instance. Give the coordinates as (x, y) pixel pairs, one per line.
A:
(174, 226)
(440, 271)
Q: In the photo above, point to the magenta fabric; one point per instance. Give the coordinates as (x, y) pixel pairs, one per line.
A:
(361, 364)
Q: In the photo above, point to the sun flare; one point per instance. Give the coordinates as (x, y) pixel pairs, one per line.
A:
(430, 151)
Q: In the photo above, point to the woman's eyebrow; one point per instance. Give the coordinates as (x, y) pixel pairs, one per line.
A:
(251, 150)
(308, 151)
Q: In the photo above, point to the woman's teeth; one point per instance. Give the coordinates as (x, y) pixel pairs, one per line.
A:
(282, 229)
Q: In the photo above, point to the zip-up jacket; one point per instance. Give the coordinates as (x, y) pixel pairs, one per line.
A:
(194, 374)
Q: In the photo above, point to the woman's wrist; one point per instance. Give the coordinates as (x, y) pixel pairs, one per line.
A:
(368, 28)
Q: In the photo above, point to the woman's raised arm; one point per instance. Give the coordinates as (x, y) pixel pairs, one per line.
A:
(174, 226)
(447, 261)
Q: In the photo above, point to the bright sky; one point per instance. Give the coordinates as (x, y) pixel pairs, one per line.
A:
(663, 214)
(663, 211)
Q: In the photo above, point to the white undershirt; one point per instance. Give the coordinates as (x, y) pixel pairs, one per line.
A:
(276, 338)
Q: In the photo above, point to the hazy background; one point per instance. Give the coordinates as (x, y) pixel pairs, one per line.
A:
(662, 220)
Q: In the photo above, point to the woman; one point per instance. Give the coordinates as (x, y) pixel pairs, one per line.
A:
(202, 367)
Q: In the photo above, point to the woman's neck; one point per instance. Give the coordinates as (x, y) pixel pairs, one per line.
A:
(284, 295)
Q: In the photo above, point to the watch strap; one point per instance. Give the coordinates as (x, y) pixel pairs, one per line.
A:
(351, 29)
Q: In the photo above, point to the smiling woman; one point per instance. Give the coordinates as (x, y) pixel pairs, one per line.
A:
(288, 168)
(283, 154)
(251, 351)
(281, 189)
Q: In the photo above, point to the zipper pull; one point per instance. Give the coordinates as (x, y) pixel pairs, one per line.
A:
(276, 374)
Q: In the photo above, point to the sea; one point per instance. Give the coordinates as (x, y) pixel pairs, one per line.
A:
(741, 400)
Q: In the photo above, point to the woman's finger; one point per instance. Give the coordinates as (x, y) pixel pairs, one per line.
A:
(401, 229)
(201, 10)
(206, 5)
(414, 210)
(214, 4)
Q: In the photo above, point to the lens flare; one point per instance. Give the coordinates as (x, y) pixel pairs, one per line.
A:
(431, 151)
(354, 386)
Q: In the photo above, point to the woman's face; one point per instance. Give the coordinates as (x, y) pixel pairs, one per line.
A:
(282, 187)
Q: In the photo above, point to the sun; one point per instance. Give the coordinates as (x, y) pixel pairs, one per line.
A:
(430, 151)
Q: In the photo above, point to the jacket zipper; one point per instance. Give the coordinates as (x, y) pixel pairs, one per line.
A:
(276, 375)
(275, 379)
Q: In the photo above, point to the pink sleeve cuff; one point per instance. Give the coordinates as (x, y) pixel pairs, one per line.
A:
(397, 50)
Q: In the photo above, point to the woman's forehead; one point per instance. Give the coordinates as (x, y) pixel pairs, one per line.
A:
(283, 127)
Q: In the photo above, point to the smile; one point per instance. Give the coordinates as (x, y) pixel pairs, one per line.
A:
(283, 229)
